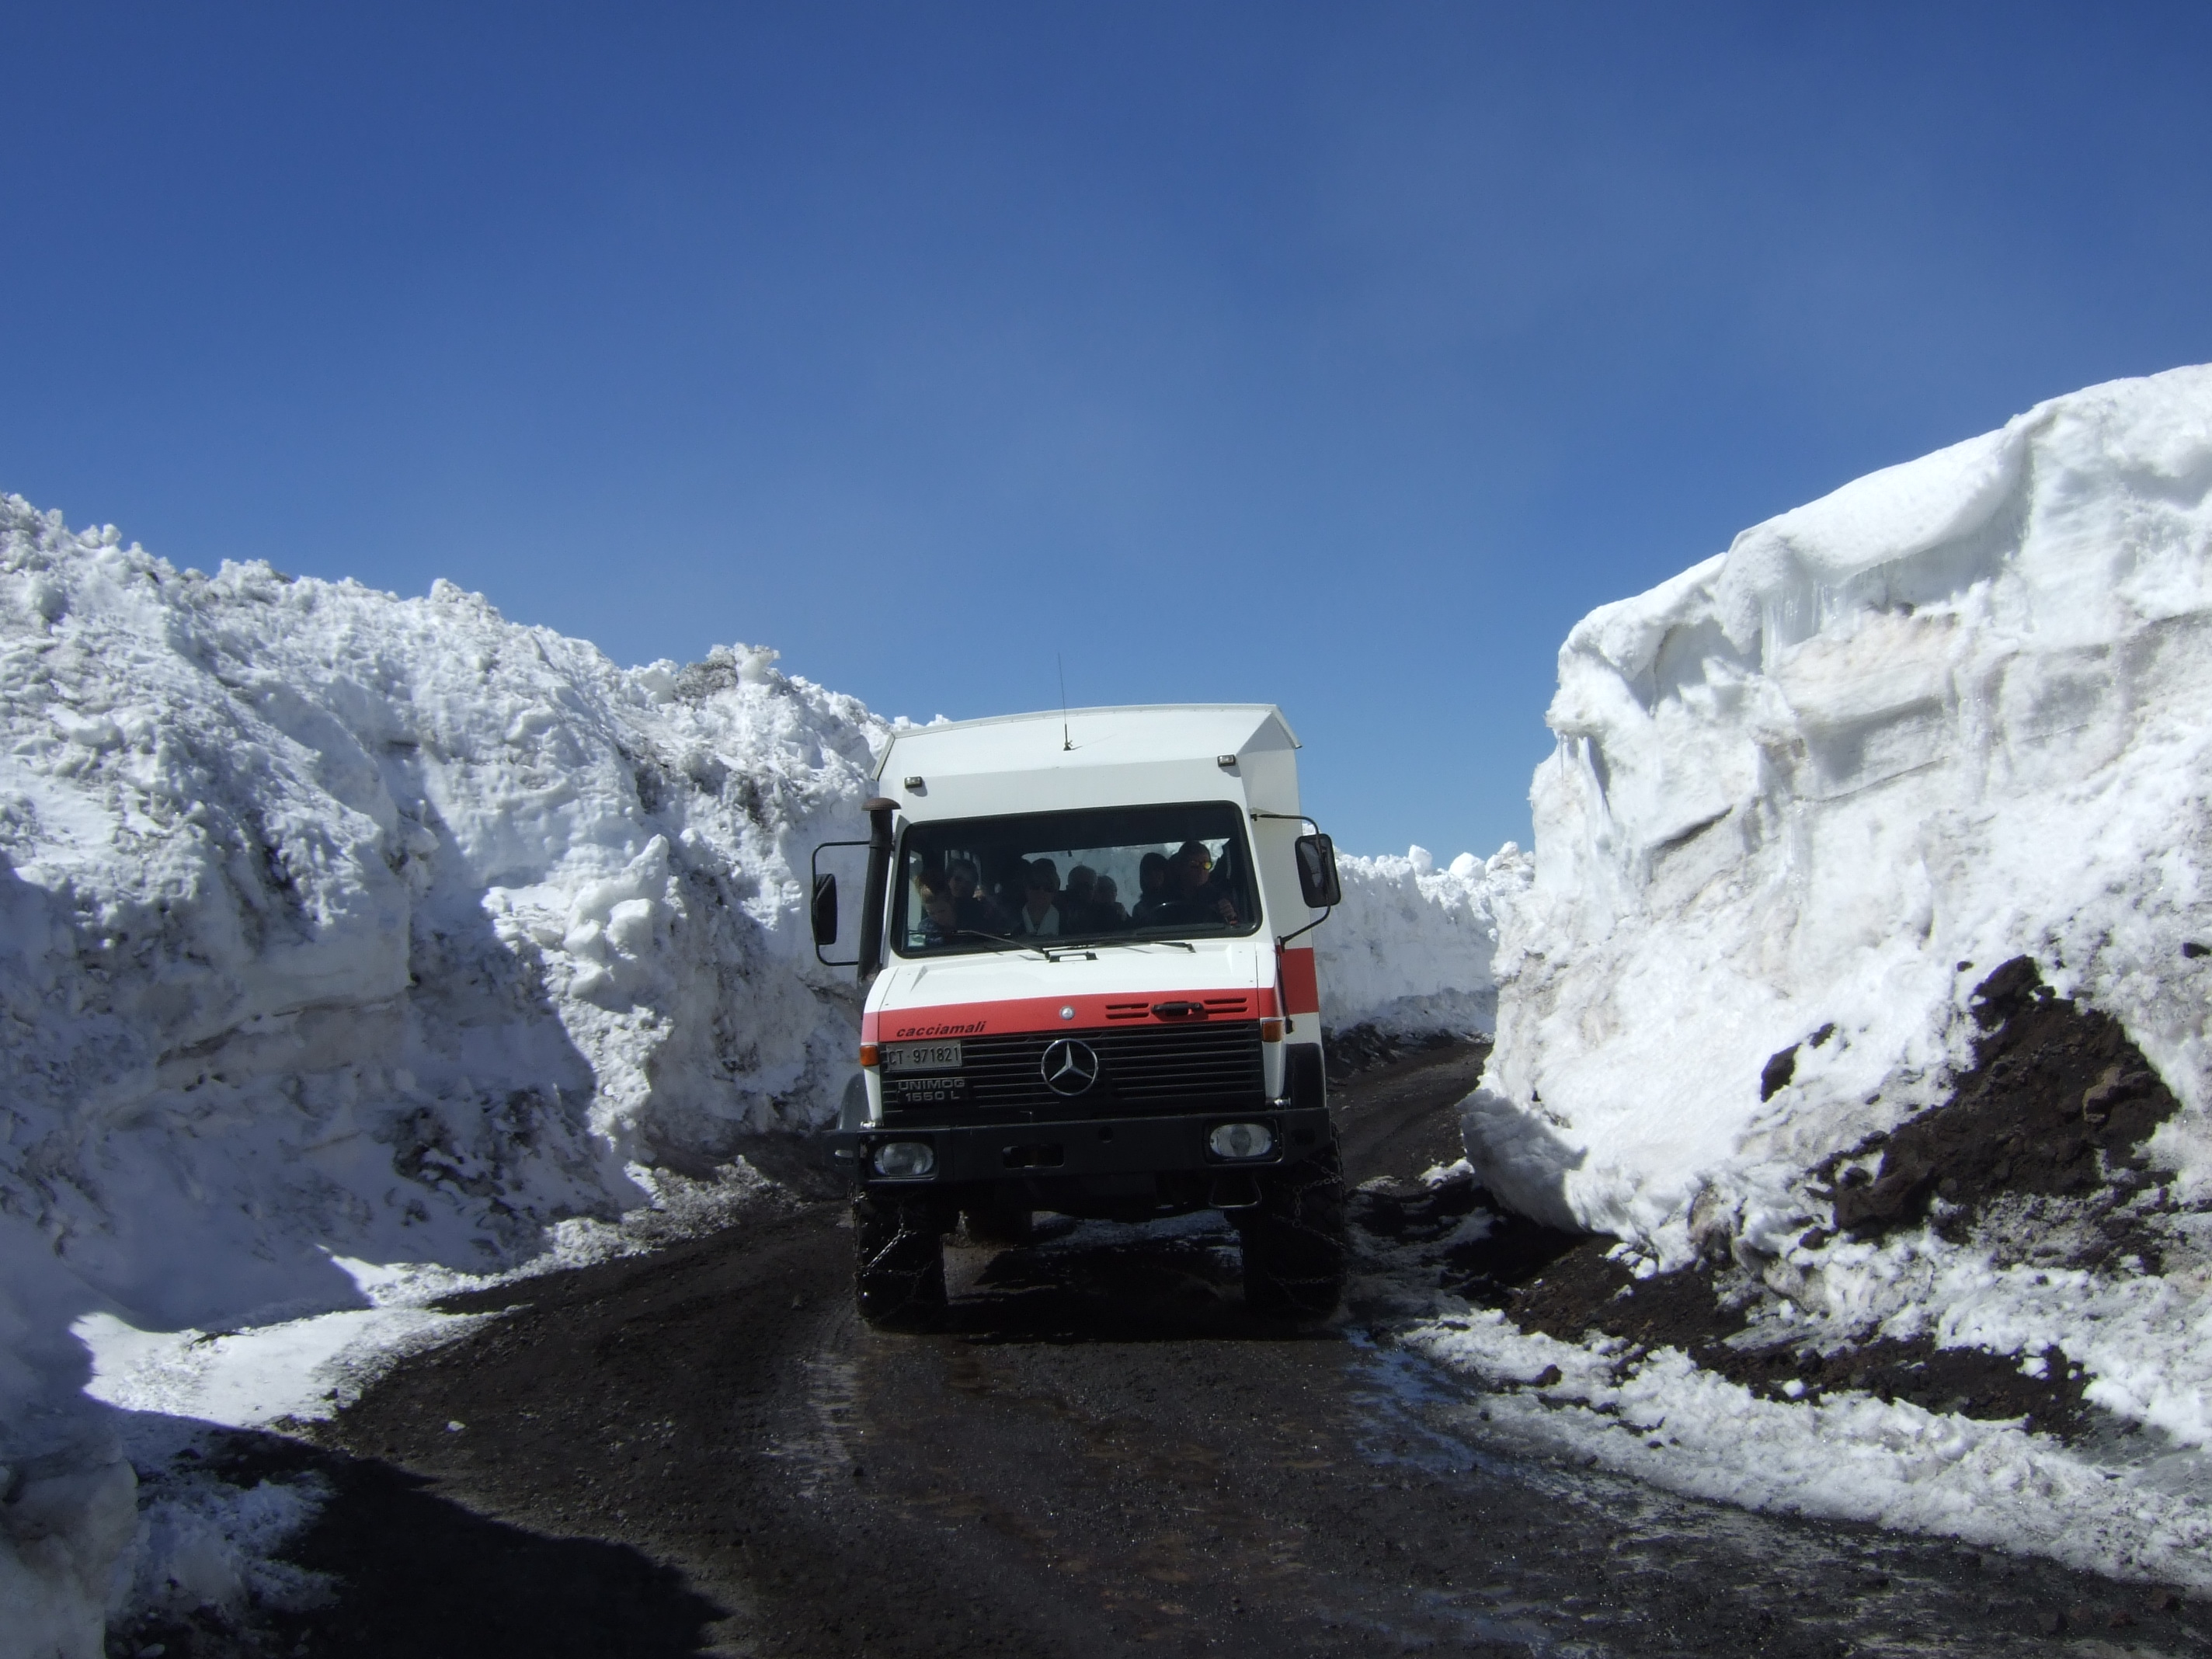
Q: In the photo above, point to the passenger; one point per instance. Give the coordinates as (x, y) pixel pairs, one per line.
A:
(974, 909)
(1151, 887)
(1107, 915)
(1038, 918)
(940, 918)
(1076, 903)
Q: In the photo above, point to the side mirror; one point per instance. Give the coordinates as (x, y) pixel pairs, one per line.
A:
(825, 911)
(1317, 882)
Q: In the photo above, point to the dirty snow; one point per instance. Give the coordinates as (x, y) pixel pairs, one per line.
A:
(1661, 1418)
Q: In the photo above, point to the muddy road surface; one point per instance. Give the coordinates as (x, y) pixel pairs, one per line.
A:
(703, 1451)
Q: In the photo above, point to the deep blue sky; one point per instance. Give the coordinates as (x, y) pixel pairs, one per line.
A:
(1336, 355)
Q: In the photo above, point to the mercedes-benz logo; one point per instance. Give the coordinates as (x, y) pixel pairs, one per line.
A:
(1069, 1067)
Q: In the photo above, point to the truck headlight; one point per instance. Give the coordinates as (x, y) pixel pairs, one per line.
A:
(904, 1159)
(1241, 1140)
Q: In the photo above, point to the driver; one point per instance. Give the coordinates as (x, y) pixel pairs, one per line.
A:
(1192, 895)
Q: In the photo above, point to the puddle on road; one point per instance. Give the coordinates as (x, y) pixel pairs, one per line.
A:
(820, 1447)
(1404, 1393)
(1401, 1390)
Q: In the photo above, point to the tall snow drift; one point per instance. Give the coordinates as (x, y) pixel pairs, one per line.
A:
(1808, 793)
(336, 924)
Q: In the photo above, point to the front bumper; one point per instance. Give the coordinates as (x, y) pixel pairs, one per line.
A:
(975, 1153)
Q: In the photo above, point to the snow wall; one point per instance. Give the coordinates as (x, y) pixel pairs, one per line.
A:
(336, 924)
(1958, 711)
(1410, 950)
(332, 923)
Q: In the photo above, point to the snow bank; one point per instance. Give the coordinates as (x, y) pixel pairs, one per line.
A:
(337, 924)
(1954, 713)
(1409, 950)
(1807, 798)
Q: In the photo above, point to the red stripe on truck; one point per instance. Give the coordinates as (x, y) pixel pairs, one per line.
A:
(1301, 985)
(1015, 1014)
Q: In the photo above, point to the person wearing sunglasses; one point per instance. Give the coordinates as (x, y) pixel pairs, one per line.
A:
(1192, 895)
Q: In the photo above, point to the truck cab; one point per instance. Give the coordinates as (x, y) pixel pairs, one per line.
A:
(1089, 992)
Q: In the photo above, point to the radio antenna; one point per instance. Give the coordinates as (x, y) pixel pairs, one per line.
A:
(1066, 742)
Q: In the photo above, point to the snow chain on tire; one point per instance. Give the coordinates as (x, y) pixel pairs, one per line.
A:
(1294, 1240)
(898, 1265)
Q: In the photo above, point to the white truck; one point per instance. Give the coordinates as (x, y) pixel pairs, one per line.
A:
(1085, 994)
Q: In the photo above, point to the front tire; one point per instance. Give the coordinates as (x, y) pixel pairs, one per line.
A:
(1294, 1240)
(898, 1262)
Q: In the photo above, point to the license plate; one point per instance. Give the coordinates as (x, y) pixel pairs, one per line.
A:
(922, 1056)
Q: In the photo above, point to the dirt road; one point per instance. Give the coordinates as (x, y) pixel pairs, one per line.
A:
(703, 1452)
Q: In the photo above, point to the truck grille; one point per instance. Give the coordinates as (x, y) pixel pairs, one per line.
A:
(1161, 1068)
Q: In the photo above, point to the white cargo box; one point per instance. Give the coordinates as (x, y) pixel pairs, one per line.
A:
(1126, 756)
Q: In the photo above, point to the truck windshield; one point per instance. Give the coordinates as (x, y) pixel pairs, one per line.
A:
(1131, 872)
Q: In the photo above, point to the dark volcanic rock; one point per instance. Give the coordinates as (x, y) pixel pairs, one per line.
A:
(1568, 1288)
(2058, 1101)
(2052, 1116)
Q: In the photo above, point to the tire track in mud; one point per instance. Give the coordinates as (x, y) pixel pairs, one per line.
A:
(704, 1451)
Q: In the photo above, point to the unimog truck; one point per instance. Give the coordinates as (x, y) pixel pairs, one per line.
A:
(1090, 991)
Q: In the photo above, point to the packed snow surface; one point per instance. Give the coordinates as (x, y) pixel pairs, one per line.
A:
(1806, 797)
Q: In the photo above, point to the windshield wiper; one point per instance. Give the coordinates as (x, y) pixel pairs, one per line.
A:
(1076, 947)
(1003, 943)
